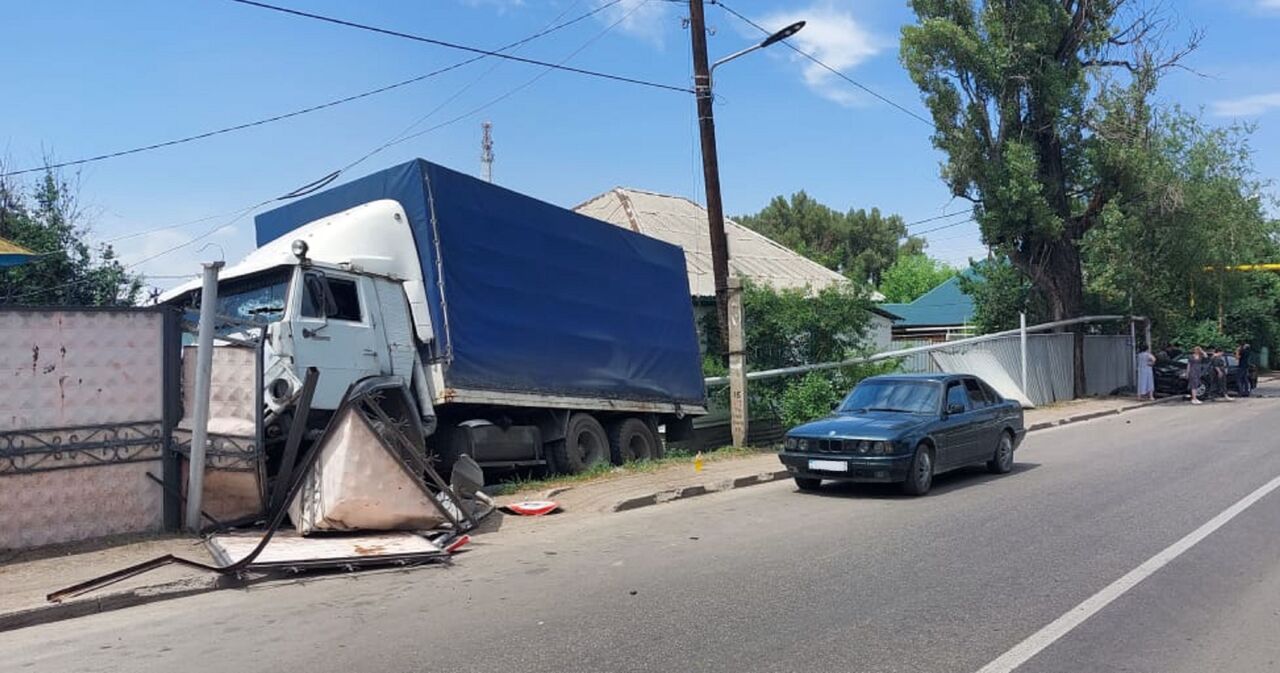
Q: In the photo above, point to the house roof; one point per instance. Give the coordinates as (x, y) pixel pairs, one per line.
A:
(682, 222)
(12, 254)
(944, 305)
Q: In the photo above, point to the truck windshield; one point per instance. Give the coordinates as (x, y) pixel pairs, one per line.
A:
(257, 298)
(913, 397)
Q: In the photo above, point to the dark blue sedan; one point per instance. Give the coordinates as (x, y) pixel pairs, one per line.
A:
(906, 428)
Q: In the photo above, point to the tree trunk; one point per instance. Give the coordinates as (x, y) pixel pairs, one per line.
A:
(1062, 282)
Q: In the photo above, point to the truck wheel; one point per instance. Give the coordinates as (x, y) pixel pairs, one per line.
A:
(631, 439)
(659, 444)
(585, 444)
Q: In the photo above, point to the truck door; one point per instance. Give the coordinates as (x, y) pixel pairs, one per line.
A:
(337, 333)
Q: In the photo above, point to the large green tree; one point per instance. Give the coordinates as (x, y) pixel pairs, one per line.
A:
(913, 275)
(67, 271)
(861, 244)
(1034, 130)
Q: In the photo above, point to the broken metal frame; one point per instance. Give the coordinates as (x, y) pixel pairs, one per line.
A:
(275, 519)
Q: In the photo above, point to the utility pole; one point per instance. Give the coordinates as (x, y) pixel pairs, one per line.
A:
(710, 168)
(204, 373)
(486, 151)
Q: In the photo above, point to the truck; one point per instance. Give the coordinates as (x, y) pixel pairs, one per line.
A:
(528, 335)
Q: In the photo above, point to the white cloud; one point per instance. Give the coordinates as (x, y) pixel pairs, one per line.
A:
(1248, 105)
(833, 36)
(644, 19)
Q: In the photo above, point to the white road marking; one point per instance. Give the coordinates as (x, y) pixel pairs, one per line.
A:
(1020, 653)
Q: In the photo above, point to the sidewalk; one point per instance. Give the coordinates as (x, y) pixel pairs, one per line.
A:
(26, 577)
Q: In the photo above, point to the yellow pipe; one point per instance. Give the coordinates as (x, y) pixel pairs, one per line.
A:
(1270, 266)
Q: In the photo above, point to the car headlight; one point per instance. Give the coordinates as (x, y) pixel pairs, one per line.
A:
(790, 443)
(883, 448)
(803, 444)
(864, 446)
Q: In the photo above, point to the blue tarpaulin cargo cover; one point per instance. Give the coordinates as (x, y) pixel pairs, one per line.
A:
(531, 297)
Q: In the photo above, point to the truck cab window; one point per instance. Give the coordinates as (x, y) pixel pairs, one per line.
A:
(343, 293)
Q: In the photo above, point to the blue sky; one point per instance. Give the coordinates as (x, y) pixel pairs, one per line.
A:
(88, 77)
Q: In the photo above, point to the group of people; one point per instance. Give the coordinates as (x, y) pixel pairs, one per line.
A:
(1200, 363)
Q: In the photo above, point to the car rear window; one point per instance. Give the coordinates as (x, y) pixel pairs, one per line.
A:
(977, 396)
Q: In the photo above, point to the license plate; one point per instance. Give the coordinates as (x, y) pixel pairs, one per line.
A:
(829, 465)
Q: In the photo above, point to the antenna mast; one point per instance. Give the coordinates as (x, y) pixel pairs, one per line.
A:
(486, 151)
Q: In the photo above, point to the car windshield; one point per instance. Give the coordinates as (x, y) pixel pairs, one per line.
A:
(259, 298)
(913, 397)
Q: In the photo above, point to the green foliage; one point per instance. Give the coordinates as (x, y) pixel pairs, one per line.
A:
(1035, 132)
(810, 397)
(47, 220)
(787, 328)
(913, 275)
(860, 244)
(1000, 292)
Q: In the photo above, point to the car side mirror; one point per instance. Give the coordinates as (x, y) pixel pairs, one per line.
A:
(953, 409)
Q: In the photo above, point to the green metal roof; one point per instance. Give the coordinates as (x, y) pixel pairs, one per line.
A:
(944, 305)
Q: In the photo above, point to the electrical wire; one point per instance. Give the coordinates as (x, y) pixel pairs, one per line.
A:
(307, 110)
(332, 176)
(462, 47)
(945, 226)
(938, 217)
(813, 58)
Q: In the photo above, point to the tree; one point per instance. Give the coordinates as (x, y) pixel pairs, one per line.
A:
(913, 275)
(1034, 133)
(860, 244)
(67, 271)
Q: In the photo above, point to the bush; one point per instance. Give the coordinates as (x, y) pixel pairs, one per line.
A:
(811, 397)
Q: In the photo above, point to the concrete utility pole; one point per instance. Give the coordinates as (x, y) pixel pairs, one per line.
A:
(710, 162)
(738, 417)
(710, 167)
(200, 415)
(486, 151)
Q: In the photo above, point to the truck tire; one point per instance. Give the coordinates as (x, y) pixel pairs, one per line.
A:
(632, 439)
(659, 444)
(585, 444)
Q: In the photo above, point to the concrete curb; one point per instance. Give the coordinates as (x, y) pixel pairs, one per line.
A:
(697, 489)
(55, 612)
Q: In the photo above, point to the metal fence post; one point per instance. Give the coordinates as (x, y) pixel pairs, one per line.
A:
(171, 413)
(200, 415)
(1022, 334)
(737, 367)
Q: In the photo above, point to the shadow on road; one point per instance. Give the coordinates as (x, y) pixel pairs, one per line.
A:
(965, 477)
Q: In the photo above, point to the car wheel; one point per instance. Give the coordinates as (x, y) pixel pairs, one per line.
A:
(920, 474)
(808, 483)
(1002, 461)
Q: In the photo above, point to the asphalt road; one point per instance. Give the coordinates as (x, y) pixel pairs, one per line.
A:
(769, 579)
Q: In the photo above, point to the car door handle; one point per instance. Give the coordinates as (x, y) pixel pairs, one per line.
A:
(371, 352)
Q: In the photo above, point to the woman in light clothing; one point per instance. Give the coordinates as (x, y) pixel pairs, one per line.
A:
(1146, 378)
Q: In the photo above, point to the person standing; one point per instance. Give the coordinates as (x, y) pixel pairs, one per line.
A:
(1146, 378)
(1195, 372)
(1244, 356)
(1218, 374)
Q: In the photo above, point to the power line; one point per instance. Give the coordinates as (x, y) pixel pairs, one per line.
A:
(938, 217)
(463, 47)
(494, 101)
(311, 187)
(313, 108)
(945, 226)
(811, 57)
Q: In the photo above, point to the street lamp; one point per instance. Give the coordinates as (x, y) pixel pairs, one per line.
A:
(710, 163)
(767, 42)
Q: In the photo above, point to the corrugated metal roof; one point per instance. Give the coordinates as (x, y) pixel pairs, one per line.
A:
(682, 222)
(945, 304)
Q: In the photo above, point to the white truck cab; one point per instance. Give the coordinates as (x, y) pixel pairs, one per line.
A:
(333, 297)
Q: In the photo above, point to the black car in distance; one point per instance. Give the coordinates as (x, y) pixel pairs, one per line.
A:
(1171, 376)
(906, 429)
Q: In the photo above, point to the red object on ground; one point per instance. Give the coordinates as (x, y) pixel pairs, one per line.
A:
(457, 544)
(532, 507)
